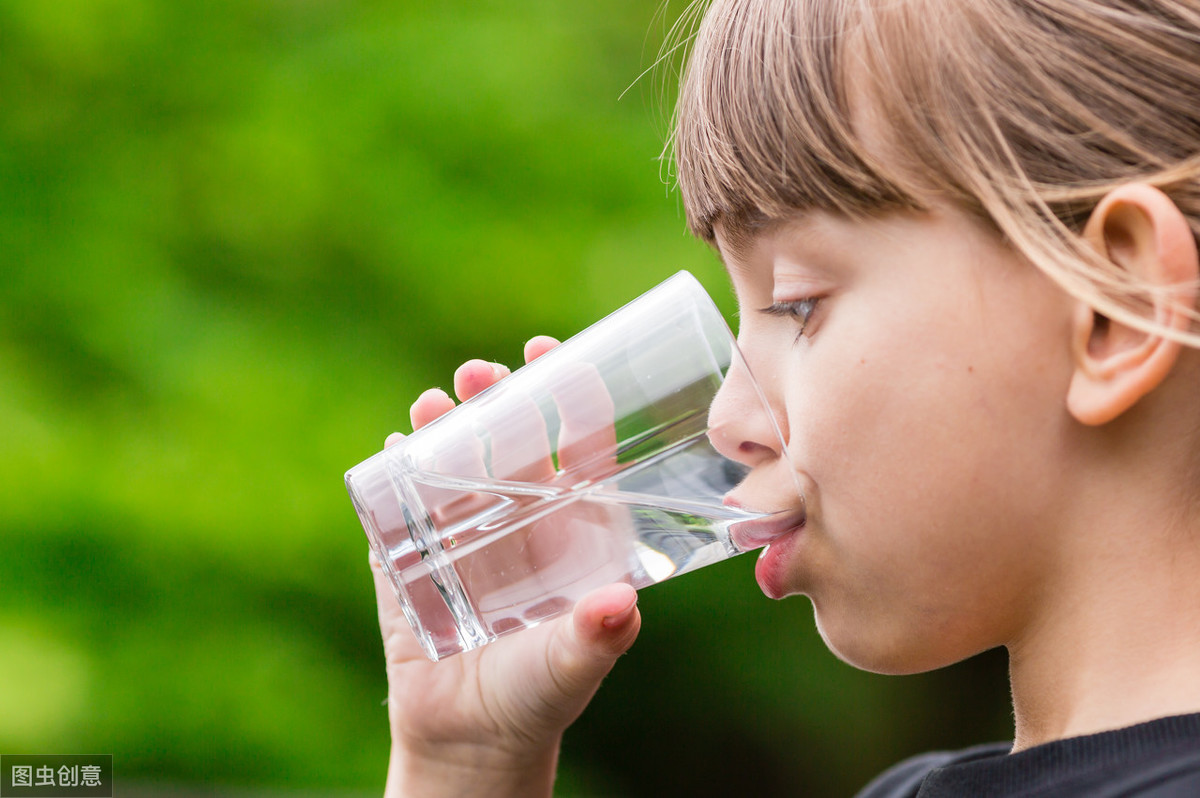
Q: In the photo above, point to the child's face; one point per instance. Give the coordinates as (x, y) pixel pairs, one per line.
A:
(923, 410)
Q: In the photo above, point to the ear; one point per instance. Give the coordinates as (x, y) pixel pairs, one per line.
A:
(1144, 234)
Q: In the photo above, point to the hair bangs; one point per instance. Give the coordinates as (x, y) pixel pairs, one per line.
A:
(764, 123)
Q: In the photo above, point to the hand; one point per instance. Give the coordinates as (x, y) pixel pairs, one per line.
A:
(489, 721)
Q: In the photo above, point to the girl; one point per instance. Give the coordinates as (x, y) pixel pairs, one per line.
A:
(962, 234)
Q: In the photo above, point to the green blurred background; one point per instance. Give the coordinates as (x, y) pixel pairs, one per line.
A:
(238, 238)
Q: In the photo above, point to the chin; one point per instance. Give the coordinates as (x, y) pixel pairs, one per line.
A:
(880, 648)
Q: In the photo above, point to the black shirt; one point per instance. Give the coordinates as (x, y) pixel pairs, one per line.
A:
(1158, 759)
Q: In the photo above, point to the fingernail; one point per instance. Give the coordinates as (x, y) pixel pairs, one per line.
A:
(619, 619)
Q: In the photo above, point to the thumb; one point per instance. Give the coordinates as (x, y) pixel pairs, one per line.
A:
(604, 625)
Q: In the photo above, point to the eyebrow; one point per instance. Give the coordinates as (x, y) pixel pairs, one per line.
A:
(812, 243)
(738, 240)
(741, 236)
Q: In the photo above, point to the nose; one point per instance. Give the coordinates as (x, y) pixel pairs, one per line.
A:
(741, 424)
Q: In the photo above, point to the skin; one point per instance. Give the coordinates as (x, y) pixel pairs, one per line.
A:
(985, 461)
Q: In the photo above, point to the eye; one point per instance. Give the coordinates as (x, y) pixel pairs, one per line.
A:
(799, 309)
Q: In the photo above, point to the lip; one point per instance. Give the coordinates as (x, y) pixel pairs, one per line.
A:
(763, 529)
(771, 570)
(780, 533)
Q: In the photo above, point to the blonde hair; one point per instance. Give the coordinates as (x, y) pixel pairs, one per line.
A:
(1025, 113)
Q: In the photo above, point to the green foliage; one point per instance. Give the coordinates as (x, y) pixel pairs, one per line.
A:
(238, 239)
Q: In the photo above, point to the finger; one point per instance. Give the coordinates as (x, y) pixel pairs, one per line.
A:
(520, 445)
(537, 346)
(520, 442)
(554, 670)
(518, 448)
(475, 376)
(393, 439)
(587, 438)
(430, 405)
(399, 642)
(605, 623)
(460, 455)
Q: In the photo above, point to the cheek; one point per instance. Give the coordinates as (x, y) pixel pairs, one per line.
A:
(912, 442)
(894, 406)
(865, 429)
(899, 536)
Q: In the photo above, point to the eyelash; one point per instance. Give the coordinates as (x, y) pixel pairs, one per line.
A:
(799, 309)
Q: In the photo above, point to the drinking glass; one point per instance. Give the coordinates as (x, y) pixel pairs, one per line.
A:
(591, 465)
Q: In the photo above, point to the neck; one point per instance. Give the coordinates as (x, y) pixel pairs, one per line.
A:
(1118, 642)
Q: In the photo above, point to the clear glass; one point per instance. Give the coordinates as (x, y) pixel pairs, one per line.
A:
(589, 466)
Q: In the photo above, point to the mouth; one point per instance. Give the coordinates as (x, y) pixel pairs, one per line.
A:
(764, 528)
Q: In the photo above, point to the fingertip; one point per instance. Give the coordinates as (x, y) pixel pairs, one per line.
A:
(472, 377)
(393, 439)
(620, 594)
(432, 403)
(585, 647)
(539, 345)
(471, 368)
(608, 611)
